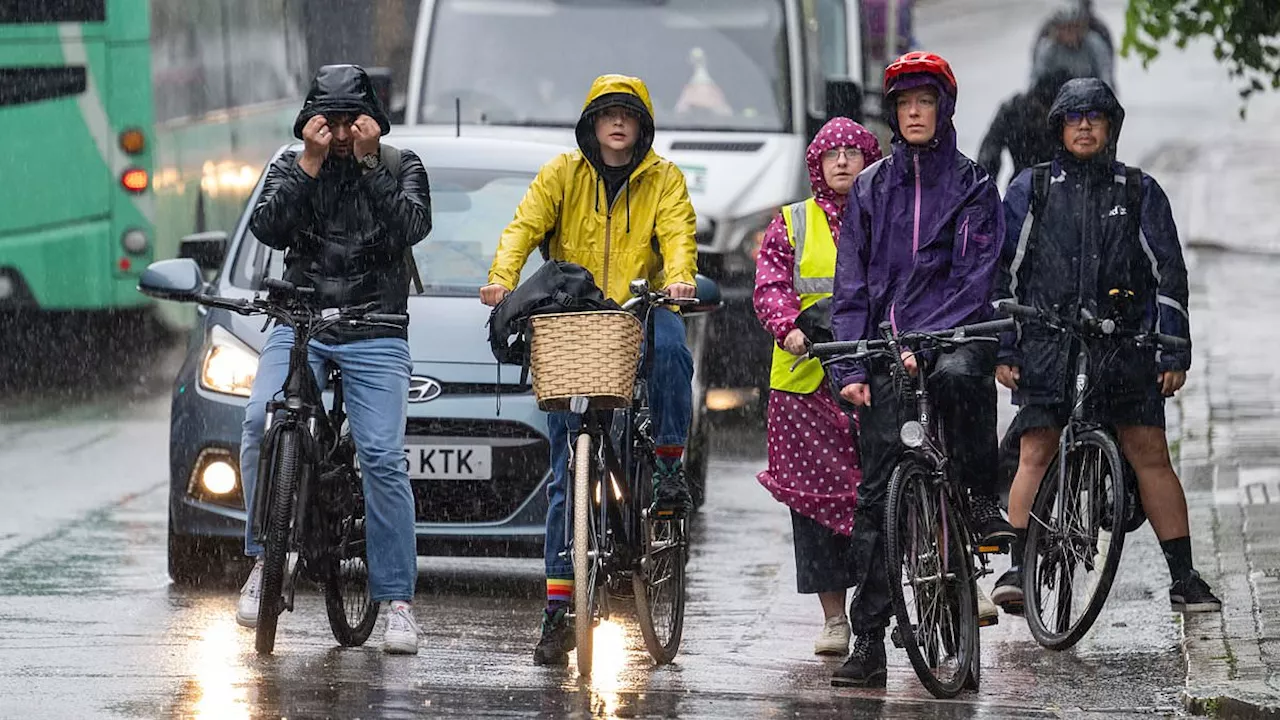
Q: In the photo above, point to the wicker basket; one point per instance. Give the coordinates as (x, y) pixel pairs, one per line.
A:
(587, 354)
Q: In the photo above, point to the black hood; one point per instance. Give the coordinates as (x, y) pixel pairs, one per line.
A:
(341, 88)
(585, 132)
(1081, 95)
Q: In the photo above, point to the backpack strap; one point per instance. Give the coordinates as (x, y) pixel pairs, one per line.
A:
(391, 158)
(1133, 199)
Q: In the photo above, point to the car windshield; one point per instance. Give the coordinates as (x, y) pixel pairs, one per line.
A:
(469, 210)
(709, 64)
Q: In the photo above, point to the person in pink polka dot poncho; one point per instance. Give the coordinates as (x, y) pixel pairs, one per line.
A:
(813, 457)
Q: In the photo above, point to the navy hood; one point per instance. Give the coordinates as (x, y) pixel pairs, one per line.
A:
(341, 88)
(1082, 95)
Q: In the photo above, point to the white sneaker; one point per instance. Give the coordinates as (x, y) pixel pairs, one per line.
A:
(401, 635)
(834, 639)
(988, 613)
(250, 598)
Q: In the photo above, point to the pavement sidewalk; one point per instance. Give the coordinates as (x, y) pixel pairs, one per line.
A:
(1225, 426)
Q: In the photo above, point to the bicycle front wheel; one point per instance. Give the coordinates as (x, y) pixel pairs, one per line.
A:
(1074, 539)
(930, 568)
(659, 581)
(282, 485)
(584, 564)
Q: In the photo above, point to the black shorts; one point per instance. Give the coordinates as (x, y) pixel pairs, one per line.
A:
(1143, 411)
(823, 563)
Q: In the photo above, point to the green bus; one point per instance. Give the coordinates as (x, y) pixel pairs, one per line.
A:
(76, 120)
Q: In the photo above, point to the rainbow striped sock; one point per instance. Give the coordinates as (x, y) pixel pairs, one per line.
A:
(559, 592)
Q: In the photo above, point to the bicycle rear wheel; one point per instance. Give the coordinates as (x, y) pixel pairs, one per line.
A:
(352, 613)
(1074, 541)
(931, 580)
(659, 579)
(584, 564)
(282, 485)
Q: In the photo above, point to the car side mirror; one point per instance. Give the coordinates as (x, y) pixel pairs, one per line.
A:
(179, 279)
(208, 249)
(709, 299)
(844, 99)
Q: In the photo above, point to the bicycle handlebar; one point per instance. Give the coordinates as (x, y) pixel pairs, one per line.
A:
(1091, 326)
(319, 319)
(978, 332)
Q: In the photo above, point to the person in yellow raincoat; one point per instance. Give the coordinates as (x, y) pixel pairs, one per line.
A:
(621, 211)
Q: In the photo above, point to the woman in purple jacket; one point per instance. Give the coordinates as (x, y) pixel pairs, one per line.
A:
(918, 248)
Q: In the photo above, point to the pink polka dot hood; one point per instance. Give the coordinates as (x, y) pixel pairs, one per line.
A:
(838, 132)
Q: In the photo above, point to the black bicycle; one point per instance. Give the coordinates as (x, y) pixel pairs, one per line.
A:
(309, 499)
(930, 548)
(621, 545)
(1082, 508)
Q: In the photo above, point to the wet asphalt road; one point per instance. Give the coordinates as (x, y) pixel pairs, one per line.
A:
(90, 626)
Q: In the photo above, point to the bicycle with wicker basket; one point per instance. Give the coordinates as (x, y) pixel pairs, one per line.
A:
(592, 364)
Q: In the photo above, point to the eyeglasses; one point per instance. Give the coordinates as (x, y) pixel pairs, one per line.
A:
(1075, 118)
(850, 154)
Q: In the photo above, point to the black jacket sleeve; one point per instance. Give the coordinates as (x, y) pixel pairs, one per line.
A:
(402, 203)
(991, 152)
(1159, 239)
(279, 212)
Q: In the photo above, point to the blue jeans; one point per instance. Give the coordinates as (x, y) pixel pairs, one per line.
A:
(375, 386)
(670, 404)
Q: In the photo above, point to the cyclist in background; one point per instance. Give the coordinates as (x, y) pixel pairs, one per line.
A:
(918, 249)
(621, 211)
(1077, 228)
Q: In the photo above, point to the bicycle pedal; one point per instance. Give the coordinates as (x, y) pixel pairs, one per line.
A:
(1015, 609)
(895, 636)
(997, 549)
(989, 621)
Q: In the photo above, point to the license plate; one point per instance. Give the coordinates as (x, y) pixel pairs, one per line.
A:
(449, 462)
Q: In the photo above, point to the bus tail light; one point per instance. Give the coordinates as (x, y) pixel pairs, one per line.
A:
(133, 141)
(134, 180)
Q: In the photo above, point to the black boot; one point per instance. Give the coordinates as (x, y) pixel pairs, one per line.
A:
(557, 639)
(992, 528)
(670, 489)
(866, 666)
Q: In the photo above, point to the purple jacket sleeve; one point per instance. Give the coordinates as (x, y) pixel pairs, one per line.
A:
(974, 258)
(776, 302)
(851, 300)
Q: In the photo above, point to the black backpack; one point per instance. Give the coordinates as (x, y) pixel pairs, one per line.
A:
(556, 287)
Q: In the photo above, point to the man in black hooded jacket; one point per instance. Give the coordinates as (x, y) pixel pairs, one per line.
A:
(1020, 126)
(1086, 234)
(345, 222)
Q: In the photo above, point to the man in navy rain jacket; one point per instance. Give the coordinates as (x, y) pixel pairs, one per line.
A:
(1105, 244)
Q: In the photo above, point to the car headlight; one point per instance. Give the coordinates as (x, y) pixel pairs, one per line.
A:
(229, 365)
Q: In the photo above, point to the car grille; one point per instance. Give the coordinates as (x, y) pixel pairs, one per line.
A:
(518, 468)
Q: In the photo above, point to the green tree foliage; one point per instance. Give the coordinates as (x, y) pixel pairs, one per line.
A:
(1245, 35)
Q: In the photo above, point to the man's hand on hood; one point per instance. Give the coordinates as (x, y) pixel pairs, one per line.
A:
(316, 136)
(366, 134)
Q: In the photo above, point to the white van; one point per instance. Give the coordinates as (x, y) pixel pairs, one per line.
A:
(739, 88)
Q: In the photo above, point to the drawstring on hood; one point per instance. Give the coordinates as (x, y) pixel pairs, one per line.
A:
(341, 89)
(616, 91)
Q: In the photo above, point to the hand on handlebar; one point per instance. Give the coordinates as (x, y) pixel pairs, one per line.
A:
(682, 291)
(909, 360)
(1008, 376)
(493, 294)
(1171, 381)
(796, 343)
(857, 393)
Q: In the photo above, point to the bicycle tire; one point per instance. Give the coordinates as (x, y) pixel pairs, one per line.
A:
(286, 464)
(1096, 464)
(352, 613)
(914, 520)
(658, 581)
(583, 566)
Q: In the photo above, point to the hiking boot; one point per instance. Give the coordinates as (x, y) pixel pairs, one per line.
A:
(250, 598)
(993, 530)
(1192, 594)
(557, 638)
(401, 634)
(1008, 592)
(834, 639)
(670, 489)
(866, 666)
(988, 613)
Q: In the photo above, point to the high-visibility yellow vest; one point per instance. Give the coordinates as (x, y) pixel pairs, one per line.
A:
(815, 250)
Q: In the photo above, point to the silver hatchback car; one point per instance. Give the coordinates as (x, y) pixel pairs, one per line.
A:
(476, 443)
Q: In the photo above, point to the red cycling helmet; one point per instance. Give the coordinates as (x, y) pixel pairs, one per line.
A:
(920, 62)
